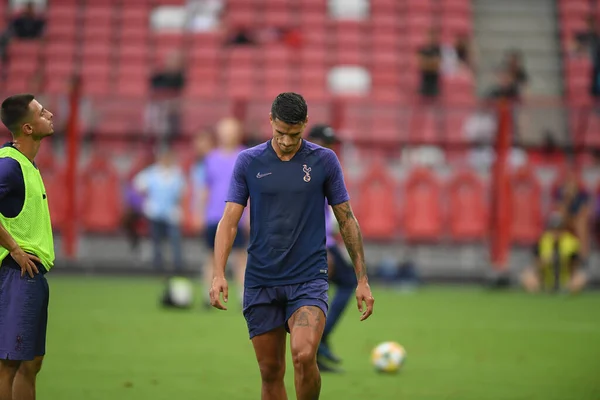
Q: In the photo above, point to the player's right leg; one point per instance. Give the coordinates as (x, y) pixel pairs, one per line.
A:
(8, 371)
(23, 321)
(270, 354)
(157, 233)
(266, 327)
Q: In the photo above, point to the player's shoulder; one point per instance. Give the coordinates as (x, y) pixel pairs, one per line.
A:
(327, 156)
(251, 153)
(9, 165)
(314, 148)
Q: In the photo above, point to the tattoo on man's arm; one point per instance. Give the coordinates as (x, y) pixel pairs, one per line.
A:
(352, 236)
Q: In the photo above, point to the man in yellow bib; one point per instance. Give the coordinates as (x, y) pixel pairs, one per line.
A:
(557, 261)
(26, 248)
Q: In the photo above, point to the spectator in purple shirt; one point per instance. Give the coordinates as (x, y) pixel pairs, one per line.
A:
(218, 169)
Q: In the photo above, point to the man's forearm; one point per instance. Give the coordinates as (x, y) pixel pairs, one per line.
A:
(6, 240)
(223, 243)
(352, 236)
(350, 231)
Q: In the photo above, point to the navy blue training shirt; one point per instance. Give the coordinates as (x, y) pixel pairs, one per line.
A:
(287, 220)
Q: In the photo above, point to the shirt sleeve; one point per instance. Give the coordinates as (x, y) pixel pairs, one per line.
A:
(335, 188)
(11, 176)
(238, 186)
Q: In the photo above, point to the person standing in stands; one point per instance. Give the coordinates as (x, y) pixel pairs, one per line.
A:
(429, 65)
(26, 248)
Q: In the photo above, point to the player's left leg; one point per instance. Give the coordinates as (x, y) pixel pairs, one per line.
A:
(306, 327)
(305, 319)
(24, 383)
(174, 231)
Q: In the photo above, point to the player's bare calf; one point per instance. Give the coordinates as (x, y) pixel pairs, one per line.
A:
(306, 327)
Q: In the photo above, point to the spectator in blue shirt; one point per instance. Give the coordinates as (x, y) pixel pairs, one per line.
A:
(163, 185)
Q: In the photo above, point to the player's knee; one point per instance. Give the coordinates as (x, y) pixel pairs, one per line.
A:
(271, 372)
(30, 369)
(304, 357)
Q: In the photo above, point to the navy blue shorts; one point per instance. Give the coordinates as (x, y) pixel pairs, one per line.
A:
(343, 273)
(268, 308)
(238, 243)
(23, 313)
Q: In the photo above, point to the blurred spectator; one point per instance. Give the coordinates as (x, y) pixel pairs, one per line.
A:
(557, 261)
(241, 36)
(457, 58)
(133, 212)
(163, 186)
(464, 51)
(163, 114)
(589, 40)
(572, 203)
(516, 70)
(291, 36)
(203, 144)
(170, 78)
(204, 15)
(28, 25)
(219, 166)
(429, 65)
(504, 88)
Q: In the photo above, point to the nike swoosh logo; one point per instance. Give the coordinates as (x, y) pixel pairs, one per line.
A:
(259, 175)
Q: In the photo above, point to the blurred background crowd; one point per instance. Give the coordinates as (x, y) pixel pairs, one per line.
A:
(470, 132)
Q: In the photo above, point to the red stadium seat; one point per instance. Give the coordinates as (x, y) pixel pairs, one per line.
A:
(467, 209)
(425, 125)
(454, 123)
(377, 206)
(101, 197)
(422, 207)
(526, 208)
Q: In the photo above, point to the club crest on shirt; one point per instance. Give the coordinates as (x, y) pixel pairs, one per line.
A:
(306, 170)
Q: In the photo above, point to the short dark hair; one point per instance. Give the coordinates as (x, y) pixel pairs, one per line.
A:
(14, 110)
(290, 108)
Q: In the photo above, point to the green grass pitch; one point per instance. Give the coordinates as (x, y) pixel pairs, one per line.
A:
(108, 339)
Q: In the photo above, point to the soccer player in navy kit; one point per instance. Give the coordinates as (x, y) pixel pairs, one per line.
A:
(287, 180)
